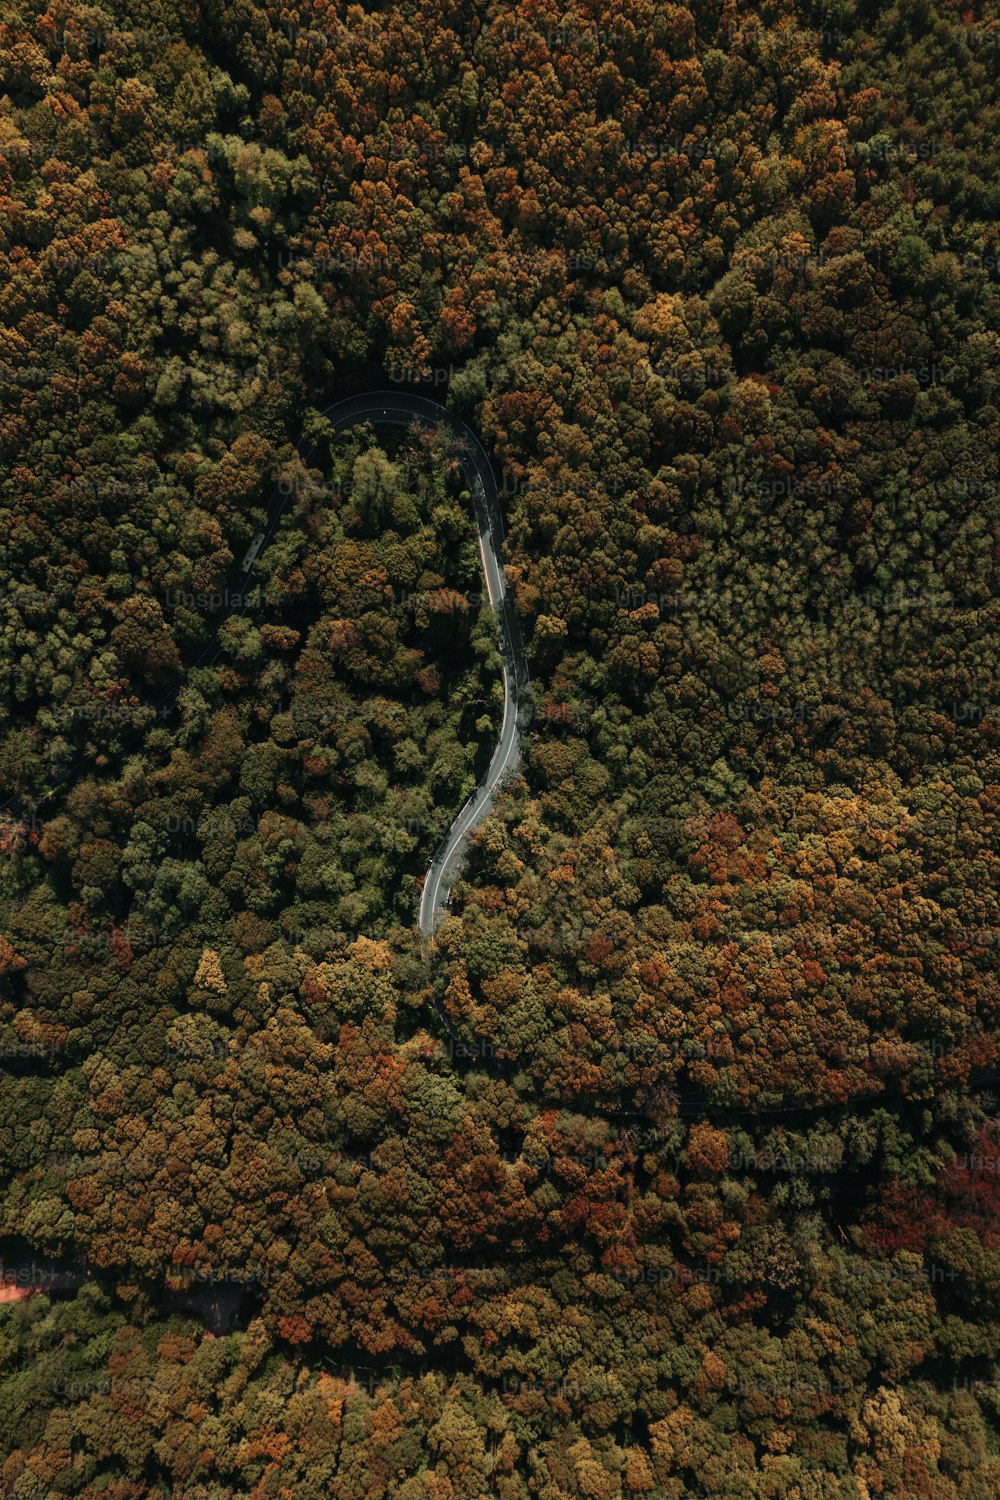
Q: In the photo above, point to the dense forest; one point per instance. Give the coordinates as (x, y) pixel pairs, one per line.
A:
(670, 1167)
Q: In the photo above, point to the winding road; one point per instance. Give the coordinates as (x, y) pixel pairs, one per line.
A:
(399, 409)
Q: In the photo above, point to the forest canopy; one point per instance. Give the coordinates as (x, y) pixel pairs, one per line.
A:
(670, 1167)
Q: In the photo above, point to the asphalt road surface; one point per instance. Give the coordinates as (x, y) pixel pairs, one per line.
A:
(399, 409)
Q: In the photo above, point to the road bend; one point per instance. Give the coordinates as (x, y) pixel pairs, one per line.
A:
(400, 409)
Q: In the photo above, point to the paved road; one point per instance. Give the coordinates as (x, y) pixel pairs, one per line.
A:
(401, 409)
